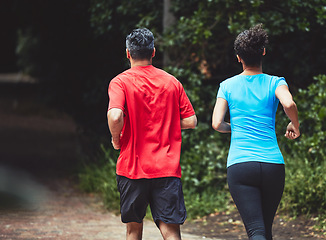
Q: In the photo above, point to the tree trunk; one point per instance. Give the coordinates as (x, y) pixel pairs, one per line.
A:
(168, 21)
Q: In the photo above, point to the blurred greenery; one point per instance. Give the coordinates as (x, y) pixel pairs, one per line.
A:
(100, 178)
(305, 159)
(75, 47)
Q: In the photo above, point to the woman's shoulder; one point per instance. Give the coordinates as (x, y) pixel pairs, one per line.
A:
(232, 79)
(276, 79)
(272, 77)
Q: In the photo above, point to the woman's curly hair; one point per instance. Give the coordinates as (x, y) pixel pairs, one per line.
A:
(250, 44)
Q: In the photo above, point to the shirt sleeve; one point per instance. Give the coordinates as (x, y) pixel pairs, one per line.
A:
(221, 92)
(186, 108)
(116, 94)
(281, 81)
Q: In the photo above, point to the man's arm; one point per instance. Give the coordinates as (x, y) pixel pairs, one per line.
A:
(189, 122)
(115, 121)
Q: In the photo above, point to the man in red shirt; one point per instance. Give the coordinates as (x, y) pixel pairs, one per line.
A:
(147, 110)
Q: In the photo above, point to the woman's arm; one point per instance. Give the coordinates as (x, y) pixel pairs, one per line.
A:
(219, 112)
(290, 108)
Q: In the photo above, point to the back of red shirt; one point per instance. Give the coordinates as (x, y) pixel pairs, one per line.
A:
(153, 103)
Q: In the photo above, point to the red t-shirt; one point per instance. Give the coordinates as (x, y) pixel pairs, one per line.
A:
(153, 103)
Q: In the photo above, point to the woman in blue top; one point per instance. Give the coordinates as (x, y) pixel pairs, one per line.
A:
(255, 165)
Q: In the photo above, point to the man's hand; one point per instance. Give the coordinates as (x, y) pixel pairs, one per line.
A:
(116, 143)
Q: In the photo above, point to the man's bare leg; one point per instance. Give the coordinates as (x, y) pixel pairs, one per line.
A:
(170, 231)
(134, 231)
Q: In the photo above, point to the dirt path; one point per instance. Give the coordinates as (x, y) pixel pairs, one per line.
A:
(68, 214)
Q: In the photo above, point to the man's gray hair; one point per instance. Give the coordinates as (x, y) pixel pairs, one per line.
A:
(140, 43)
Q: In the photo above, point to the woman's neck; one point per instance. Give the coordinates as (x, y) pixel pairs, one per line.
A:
(251, 70)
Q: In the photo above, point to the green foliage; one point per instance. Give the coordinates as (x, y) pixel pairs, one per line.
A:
(204, 152)
(28, 50)
(305, 157)
(201, 96)
(203, 164)
(204, 31)
(124, 15)
(203, 204)
(100, 178)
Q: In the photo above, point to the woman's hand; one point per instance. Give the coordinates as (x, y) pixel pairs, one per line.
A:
(292, 132)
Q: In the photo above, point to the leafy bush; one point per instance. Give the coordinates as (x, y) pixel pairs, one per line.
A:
(204, 151)
(101, 178)
(305, 189)
(28, 52)
(203, 164)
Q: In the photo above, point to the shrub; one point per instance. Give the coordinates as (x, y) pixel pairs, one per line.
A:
(305, 189)
(100, 178)
(203, 164)
(204, 151)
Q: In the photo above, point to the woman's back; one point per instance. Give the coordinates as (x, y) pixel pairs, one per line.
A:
(252, 104)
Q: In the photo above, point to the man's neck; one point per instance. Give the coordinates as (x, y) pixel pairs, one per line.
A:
(140, 63)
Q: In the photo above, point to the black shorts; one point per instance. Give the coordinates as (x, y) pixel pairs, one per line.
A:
(164, 195)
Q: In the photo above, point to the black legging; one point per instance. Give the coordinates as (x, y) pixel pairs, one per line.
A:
(257, 189)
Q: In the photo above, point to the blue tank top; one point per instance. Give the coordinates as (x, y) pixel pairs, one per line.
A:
(252, 105)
